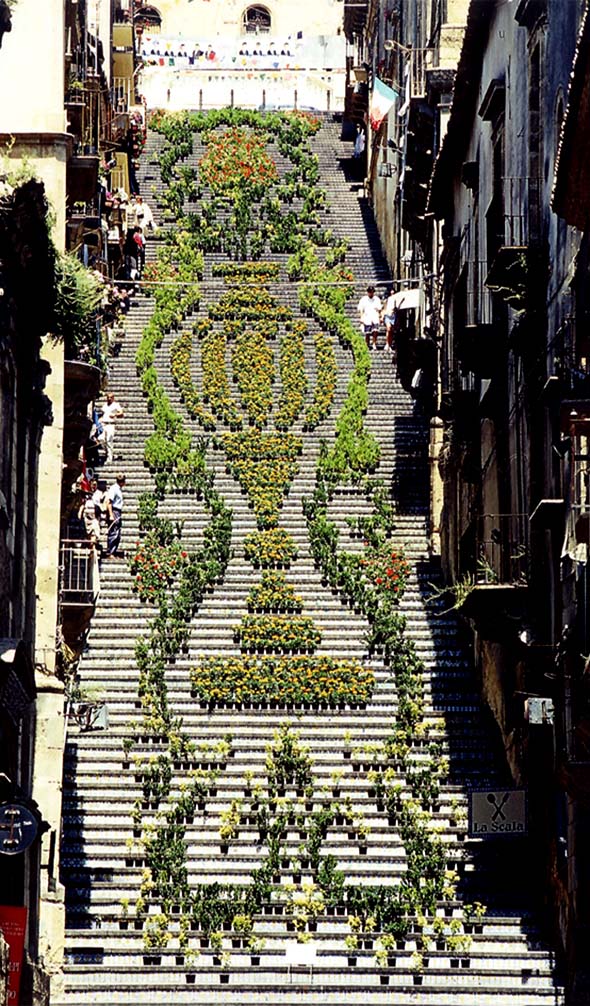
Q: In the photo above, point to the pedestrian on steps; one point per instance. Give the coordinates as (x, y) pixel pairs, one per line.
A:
(111, 412)
(369, 309)
(114, 503)
(389, 315)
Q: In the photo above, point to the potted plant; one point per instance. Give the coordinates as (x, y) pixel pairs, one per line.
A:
(352, 942)
(242, 926)
(224, 964)
(255, 945)
(191, 958)
(417, 966)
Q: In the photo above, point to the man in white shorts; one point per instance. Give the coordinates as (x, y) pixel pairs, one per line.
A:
(369, 309)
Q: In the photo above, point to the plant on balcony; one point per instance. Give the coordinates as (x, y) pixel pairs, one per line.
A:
(78, 295)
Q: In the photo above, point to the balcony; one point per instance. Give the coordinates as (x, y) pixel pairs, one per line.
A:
(580, 497)
(529, 12)
(355, 18)
(420, 138)
(514, 226)
(82, 176)
(79, 574)
(501, 555)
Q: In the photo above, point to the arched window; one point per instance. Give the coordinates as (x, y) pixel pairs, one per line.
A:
(256, 20)
(148, 17)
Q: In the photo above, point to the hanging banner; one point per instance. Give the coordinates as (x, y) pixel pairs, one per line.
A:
(382, 99)
(13, 924)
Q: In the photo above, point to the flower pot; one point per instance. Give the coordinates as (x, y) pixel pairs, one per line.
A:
(190, 978)
(255, 960)
(384, 979)
(224, 979)
(418, 979)
(352, 962)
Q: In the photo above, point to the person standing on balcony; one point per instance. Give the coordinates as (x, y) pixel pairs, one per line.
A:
(111, 411)
(114, 503)
(369, 309)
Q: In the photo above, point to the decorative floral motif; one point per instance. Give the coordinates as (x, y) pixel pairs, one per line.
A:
(235, 159)
(284, 680)
(274, 547)
(273, 593)
(279, 633)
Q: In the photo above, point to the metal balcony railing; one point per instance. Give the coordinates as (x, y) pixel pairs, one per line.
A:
(420, 61)
(580, 485)
(122, 93)
(502, 549)
(479, 298)
(79, 574)
(522, 211)
(571, 366)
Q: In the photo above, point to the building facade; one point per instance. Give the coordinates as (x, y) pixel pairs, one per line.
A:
(57, 132)
(479, 180)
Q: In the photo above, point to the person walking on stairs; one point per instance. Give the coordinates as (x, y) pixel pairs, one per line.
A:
(369, 309)
(389, 315)
(111, 411)
(114, 502)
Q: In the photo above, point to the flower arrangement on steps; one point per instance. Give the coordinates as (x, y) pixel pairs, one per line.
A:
(282, 682)
(273, 593)
(253, 367)
(272, 548)
(239, 173)
(286, 681)
(277, 634)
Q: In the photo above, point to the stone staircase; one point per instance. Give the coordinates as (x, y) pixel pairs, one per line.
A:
(102, 862)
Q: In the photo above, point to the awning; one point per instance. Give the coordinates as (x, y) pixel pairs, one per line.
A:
(403, 300)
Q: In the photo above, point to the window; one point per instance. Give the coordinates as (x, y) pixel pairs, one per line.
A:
(256, 20)
(148, 17)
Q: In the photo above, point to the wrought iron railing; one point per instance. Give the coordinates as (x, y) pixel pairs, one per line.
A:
(79, 573)
(502, 549)
(122, 93)
(522, 211)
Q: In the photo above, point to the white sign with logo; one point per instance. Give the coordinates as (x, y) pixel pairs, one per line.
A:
(497, 813)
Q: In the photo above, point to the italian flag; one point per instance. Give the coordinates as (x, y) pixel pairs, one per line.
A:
(382, 98)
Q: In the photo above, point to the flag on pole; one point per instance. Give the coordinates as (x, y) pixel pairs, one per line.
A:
(382, 99)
